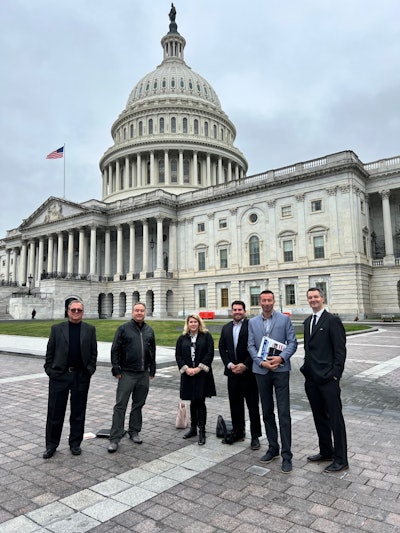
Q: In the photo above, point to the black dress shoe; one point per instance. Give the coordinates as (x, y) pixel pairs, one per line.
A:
(336, 467)
(319, 457)
(76, 450)
(49, 453)
(202, 437)
(191, 433)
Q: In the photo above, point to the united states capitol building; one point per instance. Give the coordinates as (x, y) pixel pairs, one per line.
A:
(182, 227)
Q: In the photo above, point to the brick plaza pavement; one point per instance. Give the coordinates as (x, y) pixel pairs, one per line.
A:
(167, 484)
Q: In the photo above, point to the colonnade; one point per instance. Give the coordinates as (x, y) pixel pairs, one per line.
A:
(166, 168)
(123, 251)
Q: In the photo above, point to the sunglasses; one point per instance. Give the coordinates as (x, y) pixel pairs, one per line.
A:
(76, 311)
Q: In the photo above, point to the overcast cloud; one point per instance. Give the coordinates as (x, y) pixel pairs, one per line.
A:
(299, 79)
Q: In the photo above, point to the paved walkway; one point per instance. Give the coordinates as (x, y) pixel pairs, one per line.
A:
(170, 485)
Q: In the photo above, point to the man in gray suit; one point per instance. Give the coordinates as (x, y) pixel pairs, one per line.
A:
(71, 358)
(272, 373)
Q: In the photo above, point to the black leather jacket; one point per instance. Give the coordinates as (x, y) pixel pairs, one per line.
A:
(133, 349)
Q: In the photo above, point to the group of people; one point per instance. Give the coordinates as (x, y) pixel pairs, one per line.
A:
(252, 372)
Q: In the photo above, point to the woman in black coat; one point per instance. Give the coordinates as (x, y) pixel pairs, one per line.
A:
(194, 354)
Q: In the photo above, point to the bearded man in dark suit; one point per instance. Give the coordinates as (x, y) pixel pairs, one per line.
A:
(71, 358)
(325, 355)
(242, 385)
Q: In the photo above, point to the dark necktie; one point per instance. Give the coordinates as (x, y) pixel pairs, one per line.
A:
(314, 324)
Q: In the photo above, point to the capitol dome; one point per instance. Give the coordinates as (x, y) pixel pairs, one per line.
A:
(173, 134)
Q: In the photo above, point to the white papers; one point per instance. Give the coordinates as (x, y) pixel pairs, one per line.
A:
(269, 347)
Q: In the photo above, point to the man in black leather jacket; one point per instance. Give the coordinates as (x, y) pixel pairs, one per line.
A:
(133, 359)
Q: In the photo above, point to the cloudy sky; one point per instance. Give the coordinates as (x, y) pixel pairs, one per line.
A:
(299, 79)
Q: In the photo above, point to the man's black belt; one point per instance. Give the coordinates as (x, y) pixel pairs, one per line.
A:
(74, 368)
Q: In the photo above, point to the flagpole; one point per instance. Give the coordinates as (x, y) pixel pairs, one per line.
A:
(64, 171)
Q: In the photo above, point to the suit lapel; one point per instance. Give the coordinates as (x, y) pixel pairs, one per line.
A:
(65, 331)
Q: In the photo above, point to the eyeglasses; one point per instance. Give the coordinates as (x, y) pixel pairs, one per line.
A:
(76, 311)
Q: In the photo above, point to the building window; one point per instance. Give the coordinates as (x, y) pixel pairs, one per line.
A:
(196, 126)
(253, 218)
(224, 298)
(223, 223)
(223, 258)
(290, 297)
(215, 131)
(173, 125)
(185, 125)
(254, 296)
(319, 248)
(131, 128)
(161, 171)
(151, 126)
(287, 251)
(321, 285)
(198, 173)
(124, 134)
(205, 129)
(316, 205)
(140, 128)
(362, 206)
(186, 171)
(202, 298)
(286, 211)
(174, 171)
(161, 125)
(201, 260)
(254, 251)
(201, 227)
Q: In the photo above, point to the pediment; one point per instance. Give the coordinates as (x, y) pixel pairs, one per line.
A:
(53, 210)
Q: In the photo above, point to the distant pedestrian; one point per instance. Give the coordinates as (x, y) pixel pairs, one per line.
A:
(33, 313)
(133, 359)
(325, 355)
(194, 354)
(71, 358)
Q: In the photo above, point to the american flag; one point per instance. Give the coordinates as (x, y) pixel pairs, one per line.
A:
(56, 154)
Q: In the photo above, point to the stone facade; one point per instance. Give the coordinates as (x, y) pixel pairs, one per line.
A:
(181, 227)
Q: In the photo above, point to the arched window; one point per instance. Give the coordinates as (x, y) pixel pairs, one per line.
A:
(150, 126)
(196, 126)
(161, 125)
(173, 125)
(215, 131)
(140, 128)
(206, 129)
(254, 250)
(184, 125)
(186, 166)
(131, 131)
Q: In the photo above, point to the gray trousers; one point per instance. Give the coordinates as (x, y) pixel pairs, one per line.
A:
(135, 384)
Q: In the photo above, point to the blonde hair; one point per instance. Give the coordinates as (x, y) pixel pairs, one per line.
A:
(202, 326)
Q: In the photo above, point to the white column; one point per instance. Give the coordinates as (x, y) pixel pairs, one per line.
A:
(219, 172)
(195, 177)
(229, 170)
(180, 167)
(40, 259)
(167, 169)
(139, 170)
(119, 271)
(24, 253)
(387, 227)
(172, 252)
(93, 238)
(32, 259)
(145, 250)
(131, 251)
(159, 265)
(126, 173)
(208, 170)
(7, 267)
(14, 265)
(82, 249)
(107, 256)
(152, 178)
(50, 252)
(117, 176)
(70, 261)
(60, 253)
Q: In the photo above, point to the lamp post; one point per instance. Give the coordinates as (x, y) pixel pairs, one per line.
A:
(30, 280)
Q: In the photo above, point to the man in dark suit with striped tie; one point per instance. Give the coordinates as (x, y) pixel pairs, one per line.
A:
(325, 355)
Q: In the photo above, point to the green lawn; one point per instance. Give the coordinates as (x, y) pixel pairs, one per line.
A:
(166, 331)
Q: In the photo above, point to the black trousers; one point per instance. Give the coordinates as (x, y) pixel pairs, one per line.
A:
(243, 388)
(74, 385)
(326, 407)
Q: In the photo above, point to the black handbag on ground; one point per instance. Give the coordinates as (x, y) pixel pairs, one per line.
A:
(224, 427)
